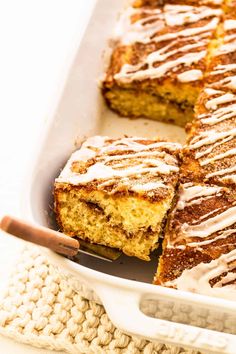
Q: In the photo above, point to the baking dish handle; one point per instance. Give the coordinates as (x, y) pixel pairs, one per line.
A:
(123, 308)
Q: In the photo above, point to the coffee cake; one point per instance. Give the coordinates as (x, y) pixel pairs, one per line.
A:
(116, 192)
(159, 60)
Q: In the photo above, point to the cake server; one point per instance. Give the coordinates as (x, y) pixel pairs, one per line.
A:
(56, 241)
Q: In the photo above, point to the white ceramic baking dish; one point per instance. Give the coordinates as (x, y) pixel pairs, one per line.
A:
(124, 287)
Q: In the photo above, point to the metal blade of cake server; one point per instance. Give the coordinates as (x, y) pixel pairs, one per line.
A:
(99, 251)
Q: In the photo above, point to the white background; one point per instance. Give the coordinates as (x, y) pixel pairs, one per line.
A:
(37, 42)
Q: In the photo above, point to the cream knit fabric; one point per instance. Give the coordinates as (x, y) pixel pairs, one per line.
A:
(40, 308)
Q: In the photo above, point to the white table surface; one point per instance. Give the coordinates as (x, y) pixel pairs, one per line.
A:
(38, 39)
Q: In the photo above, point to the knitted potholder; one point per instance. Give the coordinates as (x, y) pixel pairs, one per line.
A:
(40, 308)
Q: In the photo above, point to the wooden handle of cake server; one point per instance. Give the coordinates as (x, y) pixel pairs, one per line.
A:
(39, 235)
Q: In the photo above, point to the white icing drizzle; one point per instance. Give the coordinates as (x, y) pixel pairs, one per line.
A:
(219, 115)
(197, 279)
(131, 144)
(160, 154)
(221, 156)
(148, 186)
(214, 139)
(222, 106)
(230, 277)
(150, 159)
(212, 225)
(212, 222)
(179, 15)
(200, 154)
(229, 44)
(152, 21)
(223, 68)
(221, 236)
(209, 137)
(212, 2)
(223, 98)
(190, 33)
(142, 30)
(222, 172)
(146, 29)
(190, 75)
(205, 216)
(129, 73)
(230, 37)
(229, 24)
(231, 178)
(227, 82)
(225, 49)
(182, 205)
(192, 194)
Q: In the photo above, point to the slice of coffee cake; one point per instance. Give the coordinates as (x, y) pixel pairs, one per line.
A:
(158, 63)
(199, 251)
(116, 192)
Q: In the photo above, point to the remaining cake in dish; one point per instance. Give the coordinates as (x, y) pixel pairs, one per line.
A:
(159, 60)
(175, 61)
(210, 153)
(222, 69)
(116, 192)
(199, 250)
